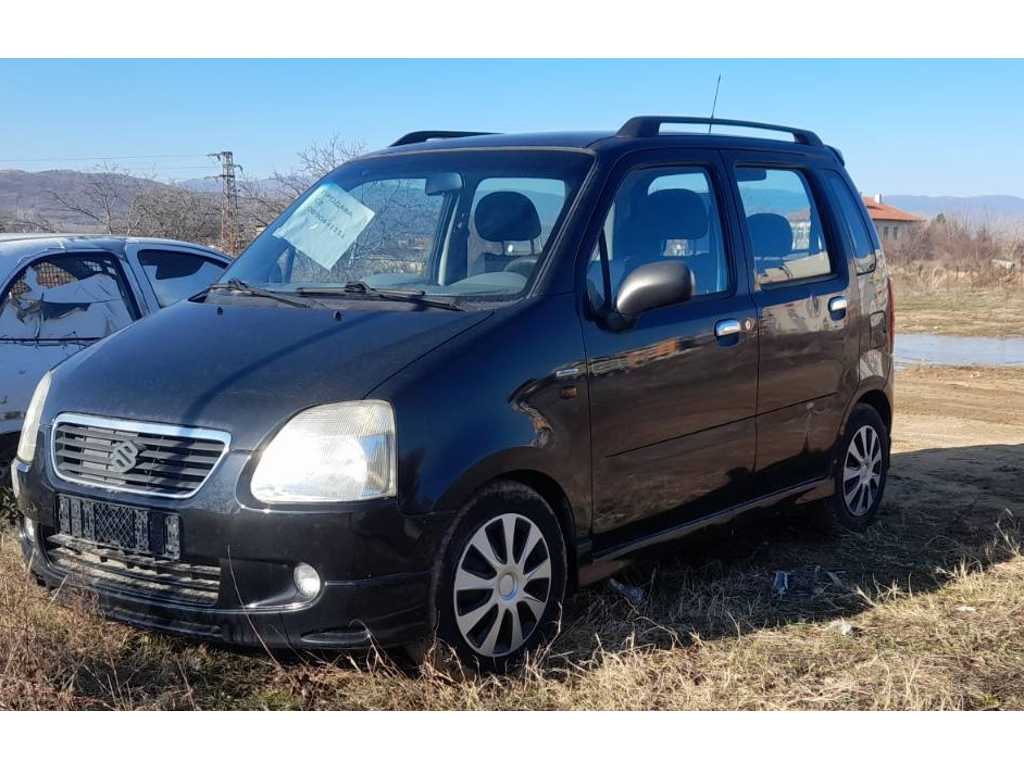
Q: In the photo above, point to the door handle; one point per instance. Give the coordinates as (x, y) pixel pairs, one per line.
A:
(726, 328)
(837, 305)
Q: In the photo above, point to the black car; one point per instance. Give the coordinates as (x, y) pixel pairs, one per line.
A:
(465, 375)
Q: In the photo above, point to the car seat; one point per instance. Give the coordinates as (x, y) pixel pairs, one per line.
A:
(771, 238)
(505, 217)
(669, 214)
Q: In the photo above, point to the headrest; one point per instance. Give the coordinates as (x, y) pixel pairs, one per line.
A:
(673, 214)
(504, 217)
(770, 235)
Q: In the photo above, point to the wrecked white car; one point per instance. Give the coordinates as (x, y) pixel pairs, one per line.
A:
(61, 293)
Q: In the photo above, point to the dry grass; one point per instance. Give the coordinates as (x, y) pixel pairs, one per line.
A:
(927, 302)
(922, 612)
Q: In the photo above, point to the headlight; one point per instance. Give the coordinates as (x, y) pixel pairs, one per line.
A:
(338, 452)
(30, 427)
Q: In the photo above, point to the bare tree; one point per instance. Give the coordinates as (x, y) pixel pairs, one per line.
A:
(178, 213)
(122, 204)
(263, 201)
(22, 220)
(107, 198)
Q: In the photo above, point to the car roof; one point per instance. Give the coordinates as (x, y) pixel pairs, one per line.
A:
(15, 245)
(638, 132)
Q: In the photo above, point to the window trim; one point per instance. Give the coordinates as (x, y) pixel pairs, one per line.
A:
(718, 187)
(134, 310)
(825, 215)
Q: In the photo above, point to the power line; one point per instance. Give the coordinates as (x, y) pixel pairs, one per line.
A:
(93, 159)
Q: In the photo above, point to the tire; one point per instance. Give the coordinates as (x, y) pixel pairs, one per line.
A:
(861, 469)
(493, 608)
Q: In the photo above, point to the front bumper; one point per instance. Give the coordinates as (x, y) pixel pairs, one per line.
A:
(375, 562)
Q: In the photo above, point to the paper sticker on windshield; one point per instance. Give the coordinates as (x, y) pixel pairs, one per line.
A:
(326, 224)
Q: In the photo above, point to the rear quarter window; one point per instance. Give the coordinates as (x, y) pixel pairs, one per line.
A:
(853, 223)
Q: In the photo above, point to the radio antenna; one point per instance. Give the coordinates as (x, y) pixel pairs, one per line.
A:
(714, 104)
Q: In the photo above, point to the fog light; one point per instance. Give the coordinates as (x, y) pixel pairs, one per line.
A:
(307, 580)
(30, 529)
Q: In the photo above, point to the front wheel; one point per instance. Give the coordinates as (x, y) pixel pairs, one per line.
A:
(503, 581)
(861, 469)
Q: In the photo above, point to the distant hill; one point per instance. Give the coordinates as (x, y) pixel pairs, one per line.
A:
(996, 210)
(31, 195)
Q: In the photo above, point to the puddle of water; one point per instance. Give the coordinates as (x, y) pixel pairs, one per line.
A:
(935, 349)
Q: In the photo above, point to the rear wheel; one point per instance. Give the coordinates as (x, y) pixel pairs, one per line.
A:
(861, 469)
(503, 581)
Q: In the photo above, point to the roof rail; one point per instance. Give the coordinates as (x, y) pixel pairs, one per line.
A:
(645, 126)
(419, 136)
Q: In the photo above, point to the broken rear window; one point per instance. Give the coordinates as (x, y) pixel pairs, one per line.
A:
(66, 297)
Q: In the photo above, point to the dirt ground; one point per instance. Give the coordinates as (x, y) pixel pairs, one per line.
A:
(924, 611)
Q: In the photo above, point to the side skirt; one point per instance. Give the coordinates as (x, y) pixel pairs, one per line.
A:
(804, 492)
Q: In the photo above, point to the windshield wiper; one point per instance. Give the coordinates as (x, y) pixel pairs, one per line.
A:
(240, 286)
(359, 288)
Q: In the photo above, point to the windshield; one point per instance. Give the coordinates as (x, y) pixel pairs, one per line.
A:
(473, 225)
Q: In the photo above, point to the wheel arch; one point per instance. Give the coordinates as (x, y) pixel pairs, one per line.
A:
(878, 400)
(549, 489)
(875, 395)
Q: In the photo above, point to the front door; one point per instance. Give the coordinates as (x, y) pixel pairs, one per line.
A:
(801, 292)
(50, 309)
(673, 396)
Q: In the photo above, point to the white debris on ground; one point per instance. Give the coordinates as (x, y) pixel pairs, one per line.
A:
(635, 595)
(842, 627)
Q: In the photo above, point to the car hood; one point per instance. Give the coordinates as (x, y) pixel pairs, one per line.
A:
(246, 366)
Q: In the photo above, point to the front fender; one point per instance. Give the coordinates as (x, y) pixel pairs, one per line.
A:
(491, 403)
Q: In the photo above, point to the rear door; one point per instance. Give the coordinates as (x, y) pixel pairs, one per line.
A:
(801, 281)
(673, 396)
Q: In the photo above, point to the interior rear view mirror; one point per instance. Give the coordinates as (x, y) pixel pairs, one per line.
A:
(441, 183)
(751, 174)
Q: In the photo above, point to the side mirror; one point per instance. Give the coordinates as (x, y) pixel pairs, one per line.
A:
(653, 285)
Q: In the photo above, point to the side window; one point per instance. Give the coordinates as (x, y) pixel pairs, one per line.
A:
(511, 219)
(176, 275)
(853, 219)
(66, 297)
(660, 214)
(783, 225)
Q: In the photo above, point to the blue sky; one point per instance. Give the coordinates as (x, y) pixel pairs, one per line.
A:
(911, 127)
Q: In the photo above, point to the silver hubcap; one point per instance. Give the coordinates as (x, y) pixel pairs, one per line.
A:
(862, 471)
(502, 585)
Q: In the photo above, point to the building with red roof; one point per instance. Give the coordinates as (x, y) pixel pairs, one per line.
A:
(891, 222)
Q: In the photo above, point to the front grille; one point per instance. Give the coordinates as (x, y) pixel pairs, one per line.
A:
(101, 567)
(154, 459)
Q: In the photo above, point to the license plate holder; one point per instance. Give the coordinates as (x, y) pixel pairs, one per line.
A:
(130, 529)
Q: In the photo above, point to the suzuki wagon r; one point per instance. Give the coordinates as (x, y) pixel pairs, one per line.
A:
(464, 375)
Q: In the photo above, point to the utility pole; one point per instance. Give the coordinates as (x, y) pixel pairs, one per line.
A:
(229, 230)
